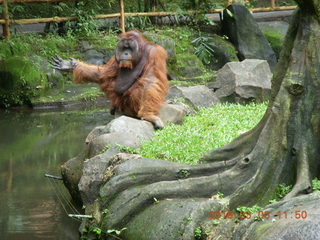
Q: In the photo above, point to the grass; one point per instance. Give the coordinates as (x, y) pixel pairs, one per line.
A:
(210, 128)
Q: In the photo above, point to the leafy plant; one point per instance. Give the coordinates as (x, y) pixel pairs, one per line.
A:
(203, 48)
(127, 149)
(220, 195)
(85, 25)
(247, 212)
(250, 3)
(215, 222)
(139, 22)
(282, 190)
(197, 232)
(97, 231)
(316, 184)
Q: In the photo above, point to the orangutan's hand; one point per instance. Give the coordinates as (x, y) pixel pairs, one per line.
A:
(63, 65)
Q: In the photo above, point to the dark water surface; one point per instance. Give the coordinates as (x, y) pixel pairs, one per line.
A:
(32, 144)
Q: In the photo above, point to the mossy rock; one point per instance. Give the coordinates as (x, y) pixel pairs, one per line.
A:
(224, 52)
(188, 66)
(19, 78)
(167, 43)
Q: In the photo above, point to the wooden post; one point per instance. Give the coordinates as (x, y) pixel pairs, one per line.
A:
(5, 15)
(273, 3)
(122, 16)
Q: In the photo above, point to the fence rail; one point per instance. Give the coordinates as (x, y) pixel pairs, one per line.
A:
(5, 21)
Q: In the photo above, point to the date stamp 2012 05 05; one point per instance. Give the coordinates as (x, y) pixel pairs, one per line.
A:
(298, 214)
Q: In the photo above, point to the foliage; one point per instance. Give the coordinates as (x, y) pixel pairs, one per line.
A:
(316, 184)
(220, 195)
(282, 190)
(19, 78)
(34, 44)
(203, 48)
(210, 128)
(247, 212)
(85, 25)
(127, 149)
(197, 232)
(140, 22)
(250, 3)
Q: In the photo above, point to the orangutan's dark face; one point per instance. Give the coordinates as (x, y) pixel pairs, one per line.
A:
(127, 52)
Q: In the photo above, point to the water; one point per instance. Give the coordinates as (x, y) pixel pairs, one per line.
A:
(32, 144)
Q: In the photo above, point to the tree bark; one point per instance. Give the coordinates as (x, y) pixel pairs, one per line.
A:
(163, 200)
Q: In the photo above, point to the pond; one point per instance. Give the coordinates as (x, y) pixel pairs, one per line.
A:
(32, 144)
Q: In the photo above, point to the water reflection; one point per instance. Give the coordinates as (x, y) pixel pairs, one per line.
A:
(32, 144)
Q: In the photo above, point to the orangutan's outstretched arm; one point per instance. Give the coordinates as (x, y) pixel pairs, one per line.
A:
(82, 72)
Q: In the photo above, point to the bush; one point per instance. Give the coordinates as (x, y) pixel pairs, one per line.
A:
(19, 78)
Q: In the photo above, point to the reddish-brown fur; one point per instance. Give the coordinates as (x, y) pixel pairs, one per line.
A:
(145, 97)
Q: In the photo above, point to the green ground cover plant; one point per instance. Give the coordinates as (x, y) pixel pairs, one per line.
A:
(209, 128)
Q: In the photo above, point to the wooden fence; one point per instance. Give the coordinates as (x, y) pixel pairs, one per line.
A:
(5, 21)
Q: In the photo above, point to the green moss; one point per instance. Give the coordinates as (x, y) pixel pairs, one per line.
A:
(275, 40)
(221, 43)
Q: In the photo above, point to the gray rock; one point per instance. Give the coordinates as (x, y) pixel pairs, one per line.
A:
(94, 56)
(92, 177)
(196, 96)
(298, 219)
(97, 131)
(224, 52)
(173, 113)
(143, 130)
(244, 81)
(113, 139)
(243, 31)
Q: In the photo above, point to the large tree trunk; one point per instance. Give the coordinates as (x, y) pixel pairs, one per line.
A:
(162, 200)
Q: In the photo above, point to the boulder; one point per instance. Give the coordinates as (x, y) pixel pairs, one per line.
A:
(143, 130)
(224, 52)
(243, 31)
(188, 68)
(173, 113)
(97, 131)
(296, 218)
(71, 172)
(244, 81)
(92, 177)
(98, 144)
(93, 55)
(196, 96)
